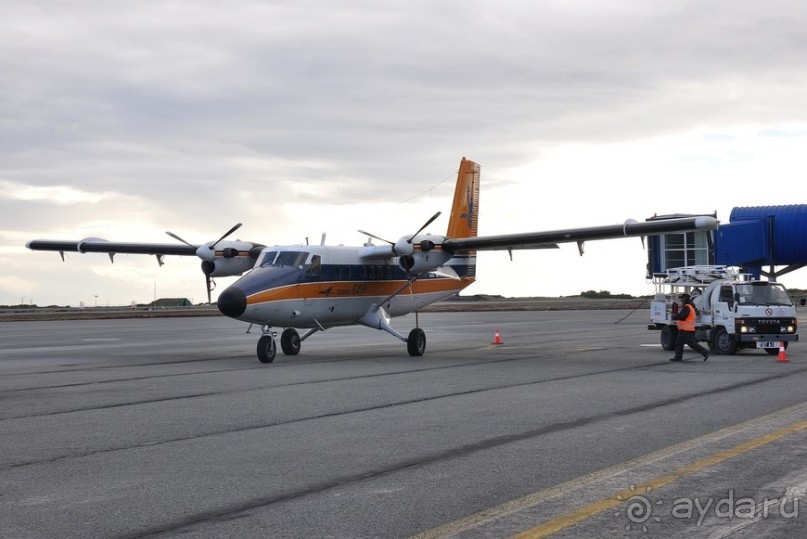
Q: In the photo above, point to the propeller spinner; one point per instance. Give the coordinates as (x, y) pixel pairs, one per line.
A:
(404, 246)
(207, 252)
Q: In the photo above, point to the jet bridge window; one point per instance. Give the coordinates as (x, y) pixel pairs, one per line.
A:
(687, 249)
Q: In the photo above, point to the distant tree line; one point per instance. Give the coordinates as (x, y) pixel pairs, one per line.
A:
(603, 294)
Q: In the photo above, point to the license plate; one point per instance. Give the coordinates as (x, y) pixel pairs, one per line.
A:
(767, 344)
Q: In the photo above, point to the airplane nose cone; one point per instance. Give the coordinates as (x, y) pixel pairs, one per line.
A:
(232, 302)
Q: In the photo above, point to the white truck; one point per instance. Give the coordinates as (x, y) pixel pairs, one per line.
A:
(733, 311)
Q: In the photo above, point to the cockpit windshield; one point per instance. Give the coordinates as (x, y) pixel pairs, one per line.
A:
(763, 294)
(268, 258)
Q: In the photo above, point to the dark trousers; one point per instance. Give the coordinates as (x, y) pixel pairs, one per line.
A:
(687, 338)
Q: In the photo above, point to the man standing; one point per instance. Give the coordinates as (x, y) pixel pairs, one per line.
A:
(686, 330)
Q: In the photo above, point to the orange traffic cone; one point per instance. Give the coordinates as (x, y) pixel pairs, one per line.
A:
(782, 354)
(497, 339)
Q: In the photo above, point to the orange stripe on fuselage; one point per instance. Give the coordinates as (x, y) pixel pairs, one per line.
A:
(349, 289)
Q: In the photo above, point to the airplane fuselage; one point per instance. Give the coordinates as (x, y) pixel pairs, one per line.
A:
(325, 286)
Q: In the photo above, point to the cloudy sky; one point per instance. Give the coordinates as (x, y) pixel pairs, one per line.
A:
(123, 120)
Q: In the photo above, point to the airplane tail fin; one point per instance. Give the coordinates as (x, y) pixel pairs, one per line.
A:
(465, 209)
(464, 218)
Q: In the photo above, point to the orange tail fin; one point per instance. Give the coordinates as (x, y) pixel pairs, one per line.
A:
(465, 209)
(465, 218)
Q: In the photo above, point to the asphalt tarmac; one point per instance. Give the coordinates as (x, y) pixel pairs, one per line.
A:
(576, 426)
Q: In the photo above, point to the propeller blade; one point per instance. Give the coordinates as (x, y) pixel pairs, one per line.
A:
(427, 223)
(376, 237)
(180, 239)
(208, 282)
(233, 229)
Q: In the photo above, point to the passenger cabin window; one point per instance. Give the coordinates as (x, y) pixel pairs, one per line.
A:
(725, 294)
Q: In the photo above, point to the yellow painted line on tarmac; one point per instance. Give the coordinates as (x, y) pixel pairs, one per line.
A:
(487, 516)
(595, 508)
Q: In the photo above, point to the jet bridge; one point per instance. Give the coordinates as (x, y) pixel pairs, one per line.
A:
(757, 239)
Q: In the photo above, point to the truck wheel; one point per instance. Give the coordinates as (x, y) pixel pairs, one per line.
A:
(724, 343)
(668, 336)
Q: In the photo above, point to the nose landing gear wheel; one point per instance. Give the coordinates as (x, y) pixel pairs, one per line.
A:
(416, 342)
(267, 349)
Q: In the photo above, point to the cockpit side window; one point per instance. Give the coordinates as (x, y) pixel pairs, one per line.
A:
(315, 268)
(291, 258)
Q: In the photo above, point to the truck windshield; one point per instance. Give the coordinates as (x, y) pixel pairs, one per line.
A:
(763, 294)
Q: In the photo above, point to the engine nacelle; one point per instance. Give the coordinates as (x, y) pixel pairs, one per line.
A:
(421, 262)
(225, 267)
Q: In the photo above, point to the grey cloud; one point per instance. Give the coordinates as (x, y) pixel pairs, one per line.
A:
(158, 100)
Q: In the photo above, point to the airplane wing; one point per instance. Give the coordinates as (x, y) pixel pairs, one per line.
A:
(549, 239)
(96, 245)
(221, 258)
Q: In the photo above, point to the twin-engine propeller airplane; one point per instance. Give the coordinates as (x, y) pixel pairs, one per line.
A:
(316, 287)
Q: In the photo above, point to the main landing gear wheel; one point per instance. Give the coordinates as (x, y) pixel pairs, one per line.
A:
(416, 342)
(267, 349)
(290, 342)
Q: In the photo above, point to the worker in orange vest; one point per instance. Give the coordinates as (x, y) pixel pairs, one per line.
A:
(686, 330)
